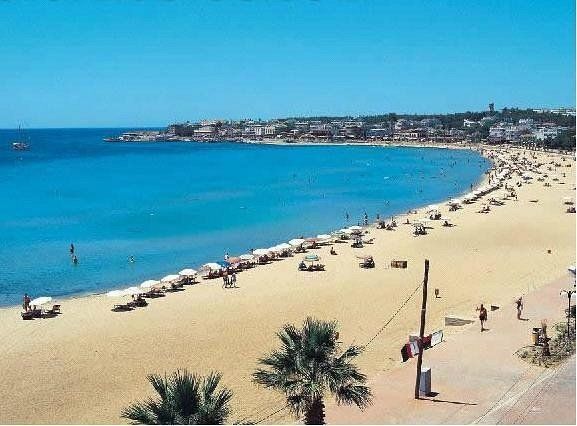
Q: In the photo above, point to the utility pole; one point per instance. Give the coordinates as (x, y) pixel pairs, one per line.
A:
(422, 330)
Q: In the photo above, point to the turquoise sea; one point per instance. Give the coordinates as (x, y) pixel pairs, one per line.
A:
(177, 205)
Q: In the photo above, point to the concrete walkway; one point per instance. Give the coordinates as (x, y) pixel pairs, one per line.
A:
(477, 378)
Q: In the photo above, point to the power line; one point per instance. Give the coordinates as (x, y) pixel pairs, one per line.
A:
(394, 315)
(271, 414)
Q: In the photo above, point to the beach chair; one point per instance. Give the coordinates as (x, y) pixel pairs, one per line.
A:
(54, 311)
(28, 315)
(122, 307)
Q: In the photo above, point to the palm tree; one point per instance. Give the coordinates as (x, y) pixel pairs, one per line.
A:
(308, 366)
(183, 398)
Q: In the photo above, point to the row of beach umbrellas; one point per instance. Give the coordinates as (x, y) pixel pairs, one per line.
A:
(148, 284)
(217, 266)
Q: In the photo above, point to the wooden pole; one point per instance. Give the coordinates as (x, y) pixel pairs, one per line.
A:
(422, 330)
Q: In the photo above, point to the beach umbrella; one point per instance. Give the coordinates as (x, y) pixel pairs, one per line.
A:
(211, 266)
(312, 258)
(284, 246)
(39, 301)
(246, 257)
(188, 272)
(260, 252)
(324, 237)
(296, 242)
(131, 291)
(274, 249)
(432, 207)
(567, 200)
(234, 259)
(170, 278)
(345, 231)
(571, 269)
(355, 228)
(116, 293)
(149, 283)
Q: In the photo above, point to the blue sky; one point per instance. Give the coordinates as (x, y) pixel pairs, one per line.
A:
(99, 63)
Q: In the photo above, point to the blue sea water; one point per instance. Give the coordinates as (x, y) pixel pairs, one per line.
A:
(177, 205)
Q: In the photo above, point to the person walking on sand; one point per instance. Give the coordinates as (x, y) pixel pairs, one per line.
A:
(233, 280)
(482, 316)
(519, 303)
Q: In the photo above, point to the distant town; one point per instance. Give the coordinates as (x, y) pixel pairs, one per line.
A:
(554, 128)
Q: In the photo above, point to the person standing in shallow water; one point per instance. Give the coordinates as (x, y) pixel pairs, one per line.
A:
(71, 249)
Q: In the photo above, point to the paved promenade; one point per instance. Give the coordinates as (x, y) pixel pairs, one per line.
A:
(477, 378)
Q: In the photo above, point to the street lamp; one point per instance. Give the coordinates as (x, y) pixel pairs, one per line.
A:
(569, 293)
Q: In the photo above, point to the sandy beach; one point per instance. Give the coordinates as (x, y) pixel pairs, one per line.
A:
(85, 365)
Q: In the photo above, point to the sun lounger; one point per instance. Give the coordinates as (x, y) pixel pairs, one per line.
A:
(122, 307)
(28, 315)
(55, 310)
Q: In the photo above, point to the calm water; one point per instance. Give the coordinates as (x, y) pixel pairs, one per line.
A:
(180, 205)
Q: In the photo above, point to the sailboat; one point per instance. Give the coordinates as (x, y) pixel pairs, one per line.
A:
(20, 144)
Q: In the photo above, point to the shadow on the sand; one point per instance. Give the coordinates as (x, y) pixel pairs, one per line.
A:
(453, 402)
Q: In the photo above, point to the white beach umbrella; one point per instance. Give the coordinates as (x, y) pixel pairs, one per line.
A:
(284, 246)
(116, 293)
(149, 283)
(211, 266)
(274, 249)
(345, 231)
(131, 291)
(188, 272)
(296, 242)
(324, 237)
(40, 301)
(260, 252)
(170, 278)
(355, 228)
(246, 257)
